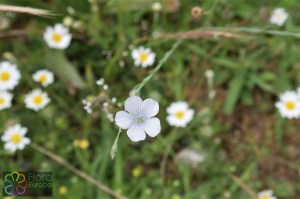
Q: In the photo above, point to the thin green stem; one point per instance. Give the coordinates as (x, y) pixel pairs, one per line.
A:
(139, 86)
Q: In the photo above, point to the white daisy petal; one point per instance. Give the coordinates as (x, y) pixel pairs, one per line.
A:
(123, 119)
(152, 127)
(136, 133)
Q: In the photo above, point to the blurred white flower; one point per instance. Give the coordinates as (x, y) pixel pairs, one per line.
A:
(57, 37)
(279, 16)
(45, 77)
(179, 114)
(9, 76)
(156, 6)
(289, 105)
(36, 100)
(267, 194)
(68, 21)
(190, 157)
(15, 138)
(143, 57)
(139, 119)
(100, 82)
(5, 100)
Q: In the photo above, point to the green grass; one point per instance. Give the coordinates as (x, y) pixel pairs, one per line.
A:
(245, 142)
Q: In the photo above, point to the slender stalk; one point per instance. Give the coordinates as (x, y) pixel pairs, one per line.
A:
(247, 189)
(78, 172)
(138, 87)
(27, 10)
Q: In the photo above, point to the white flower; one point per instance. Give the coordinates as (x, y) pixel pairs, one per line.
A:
(45, 77)
(156, 6)
(9, 76)
(36, 100)
(268, 194)
(289, 105)
(139, 119)
(143, 57)
(5, 100)
(179, 114)
(57, 36)
(279, 16)
(15, 138)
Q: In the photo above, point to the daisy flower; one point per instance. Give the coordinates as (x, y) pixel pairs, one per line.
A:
(139, 119)
(9, 76)
(143, 57)
(5, 100)
(45, 77)
(268, 194)
(57, 37)
(36, 100)
(289, 105)
(279, 16)
(15, 138)
(179, 114)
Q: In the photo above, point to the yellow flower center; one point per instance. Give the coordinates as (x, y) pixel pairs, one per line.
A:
(62, 190)
(15, 138)
(37, 100)
(180, 114)
(2, 101)
(265, 197)
(4, 76)
(56, 37)
(290, 105)
(42, 79)
(143, 57)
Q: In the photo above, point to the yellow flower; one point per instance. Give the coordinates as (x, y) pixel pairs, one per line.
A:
(62, 190)
(84, 144)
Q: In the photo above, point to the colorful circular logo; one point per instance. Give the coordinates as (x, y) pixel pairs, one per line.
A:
(15, 184)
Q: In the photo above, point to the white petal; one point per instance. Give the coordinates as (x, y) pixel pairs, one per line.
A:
(123, 119)
(136, 133)
(152, 126)
(133, 105)
(150, 108)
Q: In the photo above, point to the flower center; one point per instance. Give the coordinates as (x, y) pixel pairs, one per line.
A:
(4, 76)
(265, 197)
(139, 119)
(179, 114)
(143, 57)
(56, 37)
(42, 79)
(2, 101)
(15, 138)
(37, 100)
(290, 105)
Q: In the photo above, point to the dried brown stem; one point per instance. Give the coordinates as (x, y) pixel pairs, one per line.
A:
(78, 172)
(247, 189)
(27, 10)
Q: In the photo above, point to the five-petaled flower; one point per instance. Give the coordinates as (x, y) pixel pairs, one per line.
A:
(279, 16)
(9, 76)
(5, 99)
(268, 194)
(44, 77)
(143, 57)
(14, 138)
(179, 114)
(139, 119)
(36, 100)
(289, 105)
(57, 37)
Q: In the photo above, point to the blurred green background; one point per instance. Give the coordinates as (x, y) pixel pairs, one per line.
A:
(239, 132)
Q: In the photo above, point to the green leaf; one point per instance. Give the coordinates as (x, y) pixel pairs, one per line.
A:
(235, 88)
(64, 69)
